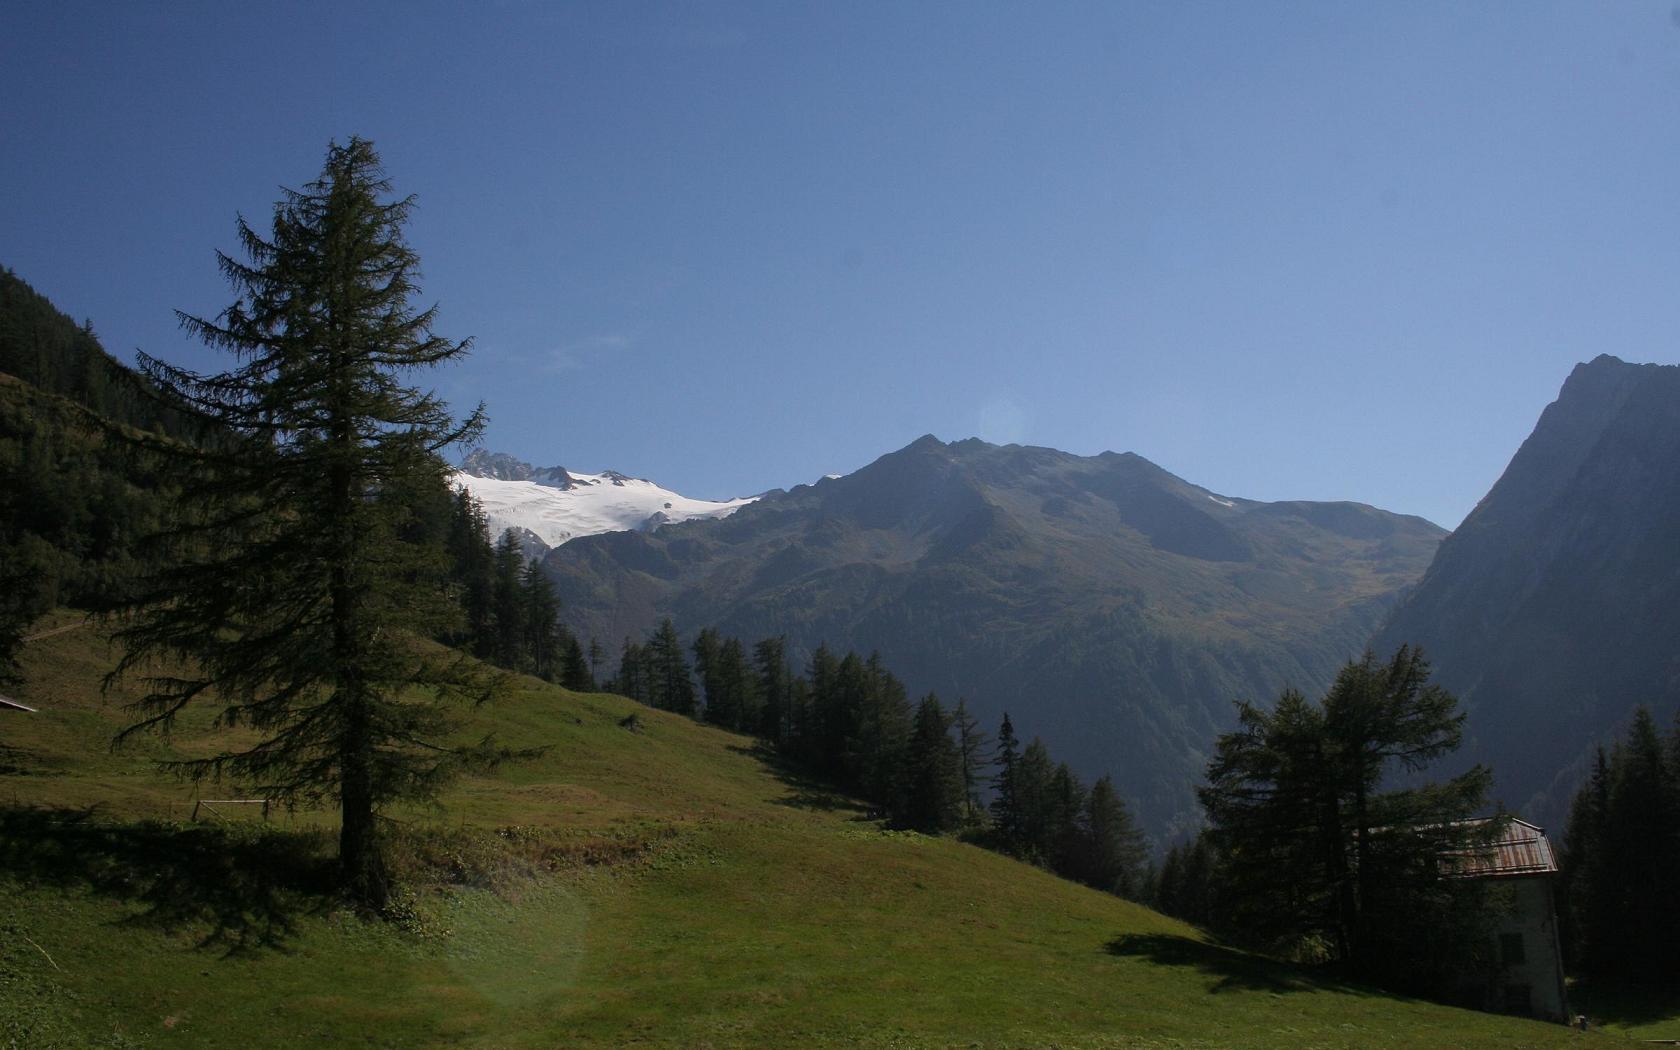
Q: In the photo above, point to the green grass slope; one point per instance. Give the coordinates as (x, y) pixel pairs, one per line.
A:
(660, 886)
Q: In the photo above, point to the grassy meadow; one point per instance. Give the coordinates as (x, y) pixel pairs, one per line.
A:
(656, 884)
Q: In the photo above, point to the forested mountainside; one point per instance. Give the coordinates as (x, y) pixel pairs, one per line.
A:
(1554, 610)
(47, 349)
(73, 501)
(1110, 607)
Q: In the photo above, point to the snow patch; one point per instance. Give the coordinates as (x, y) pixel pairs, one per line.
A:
(1221, 502)
(590, 504)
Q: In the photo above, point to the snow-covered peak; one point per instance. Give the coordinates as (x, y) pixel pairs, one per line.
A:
(556, 505)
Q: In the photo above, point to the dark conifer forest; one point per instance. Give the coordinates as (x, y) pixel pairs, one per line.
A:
(1620, 851)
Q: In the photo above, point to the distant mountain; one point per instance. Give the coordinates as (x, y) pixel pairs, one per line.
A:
(549, 506)
(1110, 607)
(1555, 608)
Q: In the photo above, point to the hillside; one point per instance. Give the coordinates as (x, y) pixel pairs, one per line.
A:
(1112, 608)
(1553, 610)
(46, 348)
(74, 501)
(660, 887)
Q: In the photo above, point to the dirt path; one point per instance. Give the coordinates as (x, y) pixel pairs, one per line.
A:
(56, 630)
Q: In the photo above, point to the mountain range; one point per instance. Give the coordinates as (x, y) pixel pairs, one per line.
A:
(1116, 610)
(1110, 607)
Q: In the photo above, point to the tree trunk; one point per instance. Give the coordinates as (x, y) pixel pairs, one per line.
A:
(1363, 875)
(361, 868)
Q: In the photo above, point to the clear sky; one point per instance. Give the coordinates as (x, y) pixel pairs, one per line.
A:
(1285, 250)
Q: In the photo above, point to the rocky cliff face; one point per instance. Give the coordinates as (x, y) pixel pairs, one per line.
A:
(1555, 608)
(1112, 608)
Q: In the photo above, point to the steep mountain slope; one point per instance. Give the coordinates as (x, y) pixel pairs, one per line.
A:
(1110, 607)
(663, 887)
(44, 347)
(74, 501)
(551, 505)
(1555, 608)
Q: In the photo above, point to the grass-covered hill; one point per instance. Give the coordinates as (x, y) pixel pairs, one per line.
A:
(656, 883)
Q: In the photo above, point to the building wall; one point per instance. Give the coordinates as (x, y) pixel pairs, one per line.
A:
(1535, 984)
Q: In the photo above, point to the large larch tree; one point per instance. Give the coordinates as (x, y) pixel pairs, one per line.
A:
(296, 585)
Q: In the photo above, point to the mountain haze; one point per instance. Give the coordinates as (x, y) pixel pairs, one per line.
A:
(1555, 608)
(1112, 608)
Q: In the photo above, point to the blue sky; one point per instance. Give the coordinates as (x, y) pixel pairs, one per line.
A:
(1316, 251)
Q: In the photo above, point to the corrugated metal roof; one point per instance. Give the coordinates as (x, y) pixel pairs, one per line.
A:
(1520, 848)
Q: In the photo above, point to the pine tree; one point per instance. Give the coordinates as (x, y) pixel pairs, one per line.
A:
(775, 687)
(509, 603)
(840, 716)
(574, 669)
(1184, 887)
(670, 680)
(1066, 838)
(1006, 816)
(1115, 852)
(1167, 881)
(544, 642)
(798, 720)
(596, 655)
(880, 734)
(1587, 907)
(706, 645)
(1035, 804)
(633, 674)
(817, 739)
(743, 708)
(1313, 848)
(971, 750)
(288, 597)
(933, 799)
(21, 601)
(473, 574)
(1638, 842)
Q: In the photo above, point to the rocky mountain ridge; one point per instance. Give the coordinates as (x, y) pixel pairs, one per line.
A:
(1553, 610)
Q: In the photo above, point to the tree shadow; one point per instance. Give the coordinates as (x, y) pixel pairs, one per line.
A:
(805, 791)
(20, 762)
(242, 888)
(1230, 970)
(1627, 1003)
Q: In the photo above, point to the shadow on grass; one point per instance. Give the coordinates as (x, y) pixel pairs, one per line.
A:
(18, 762)
(1230, 969)
(1628, 1005)
(805, 791)
(240, 888)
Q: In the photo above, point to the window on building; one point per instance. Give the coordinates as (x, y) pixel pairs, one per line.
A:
(1511, 949)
